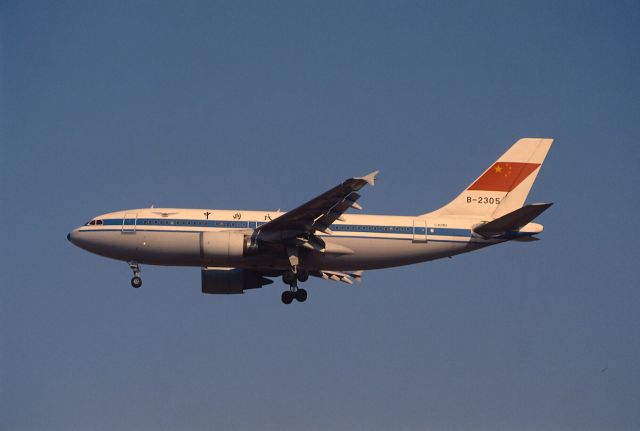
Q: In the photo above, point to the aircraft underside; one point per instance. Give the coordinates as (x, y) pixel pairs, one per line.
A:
(185, 249)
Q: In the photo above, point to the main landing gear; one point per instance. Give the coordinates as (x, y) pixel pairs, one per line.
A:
(136, 281)
(292, 277)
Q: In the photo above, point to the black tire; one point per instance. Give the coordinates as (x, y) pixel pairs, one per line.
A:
(288, 278)
(286, 297)
(301, 295)
(136, 282)
(302, 275)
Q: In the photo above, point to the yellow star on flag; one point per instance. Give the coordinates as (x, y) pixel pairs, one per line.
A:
(498, 169)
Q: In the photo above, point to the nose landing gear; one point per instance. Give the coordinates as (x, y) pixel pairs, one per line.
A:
(136, 281)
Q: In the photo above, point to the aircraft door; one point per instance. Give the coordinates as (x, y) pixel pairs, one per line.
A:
(129, 222)
(419, 230)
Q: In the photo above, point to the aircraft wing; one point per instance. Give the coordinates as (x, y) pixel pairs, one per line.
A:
(318, 213)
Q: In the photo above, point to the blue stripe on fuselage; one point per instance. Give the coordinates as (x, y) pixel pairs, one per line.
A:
(407, 232)
(233, 224)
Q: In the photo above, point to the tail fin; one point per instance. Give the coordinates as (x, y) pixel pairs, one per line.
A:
(504, 186)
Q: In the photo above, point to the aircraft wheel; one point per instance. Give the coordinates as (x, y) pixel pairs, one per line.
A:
(136, 282)
(301, 295)
(289, 278)
(302, 275)
(287, 297)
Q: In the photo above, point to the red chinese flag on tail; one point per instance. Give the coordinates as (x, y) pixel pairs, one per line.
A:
(504, 176)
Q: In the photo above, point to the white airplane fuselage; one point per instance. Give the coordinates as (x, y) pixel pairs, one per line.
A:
(175, 237)
(239, 250)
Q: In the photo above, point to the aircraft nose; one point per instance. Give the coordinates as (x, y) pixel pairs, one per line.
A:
(72, 237)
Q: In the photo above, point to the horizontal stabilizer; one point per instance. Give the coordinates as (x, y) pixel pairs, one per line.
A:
(512, 221)
(526, 239)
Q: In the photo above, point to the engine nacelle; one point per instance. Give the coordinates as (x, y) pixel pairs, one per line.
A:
(220, 281)
(221, 248)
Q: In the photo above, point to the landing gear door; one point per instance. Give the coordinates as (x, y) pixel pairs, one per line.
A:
(129, 222)
(419, 230)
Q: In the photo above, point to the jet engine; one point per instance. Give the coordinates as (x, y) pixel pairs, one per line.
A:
(220, 281)
(223, 247)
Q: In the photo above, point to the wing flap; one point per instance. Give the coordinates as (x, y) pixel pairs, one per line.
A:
(335, 212)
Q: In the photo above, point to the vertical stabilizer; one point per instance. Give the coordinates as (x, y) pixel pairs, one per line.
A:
(504, 186)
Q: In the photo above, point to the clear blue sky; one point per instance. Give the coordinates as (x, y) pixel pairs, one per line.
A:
(261, 105)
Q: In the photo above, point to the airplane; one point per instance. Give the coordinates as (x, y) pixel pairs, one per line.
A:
(241, 250)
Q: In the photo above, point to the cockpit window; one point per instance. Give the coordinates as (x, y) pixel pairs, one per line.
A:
(92, 222)
(99, 222)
